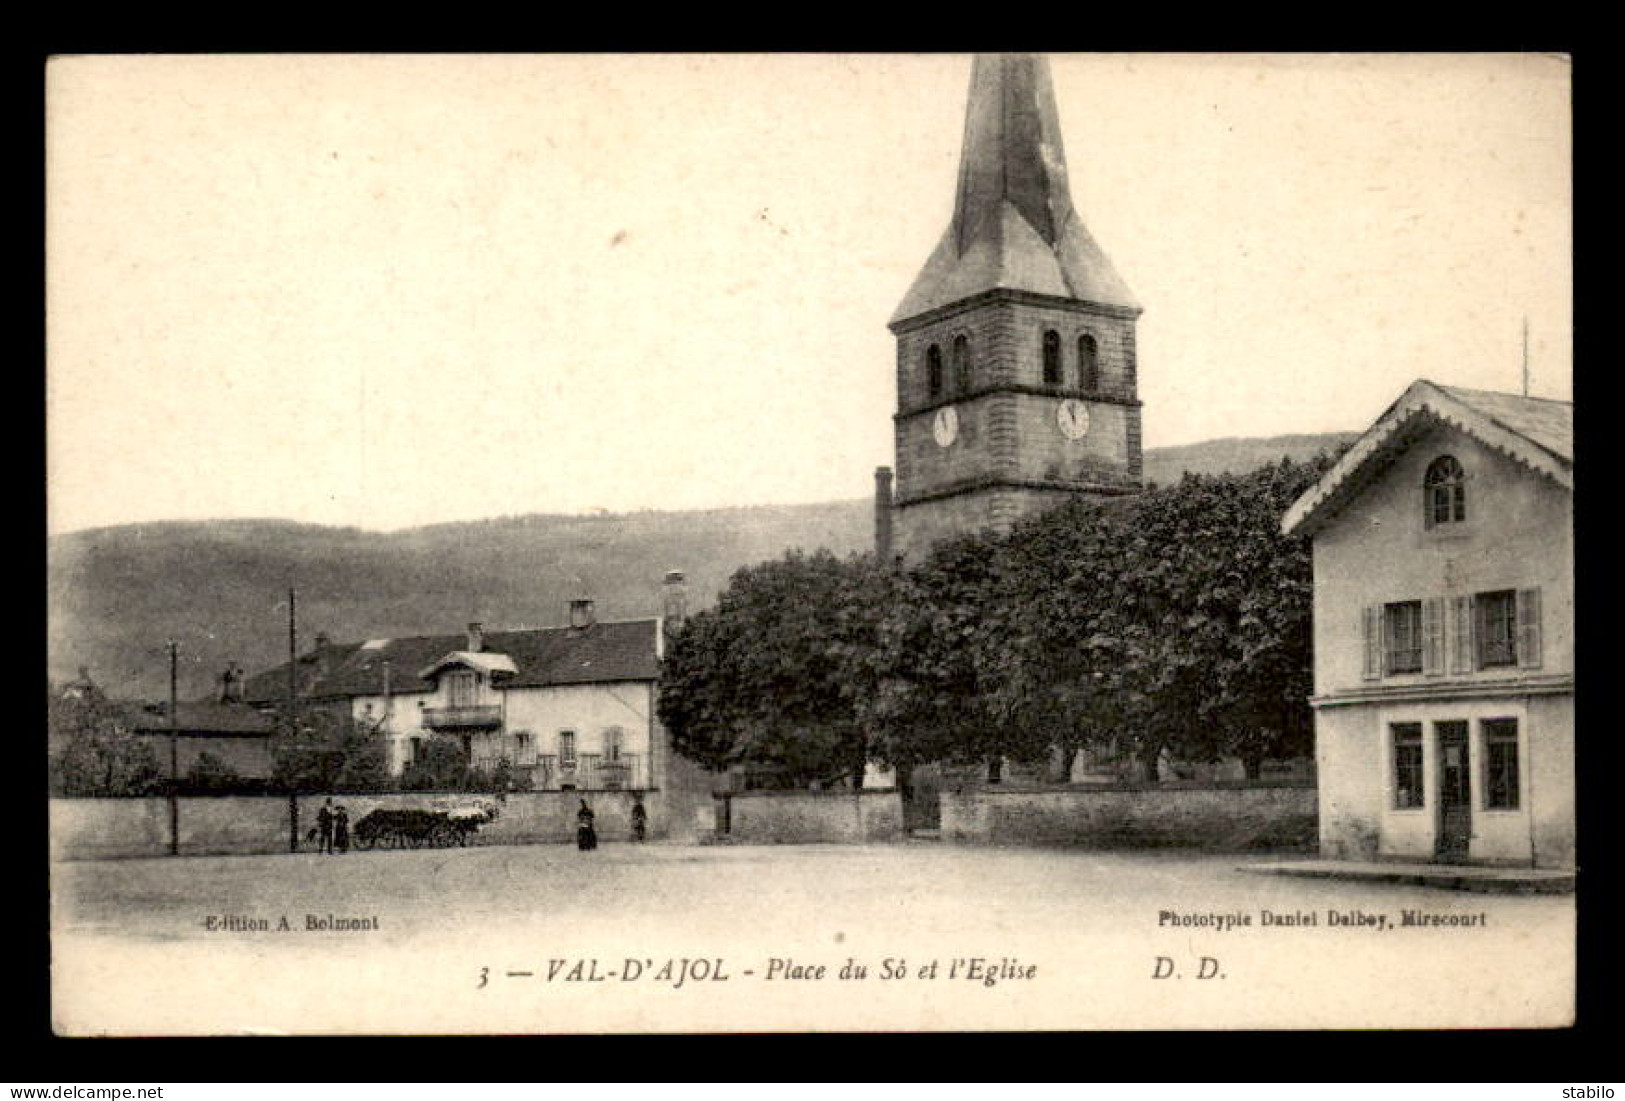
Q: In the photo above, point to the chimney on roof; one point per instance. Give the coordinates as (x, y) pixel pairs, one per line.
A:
(674, 590)
(581, 613)
(476, 637)
(883, 502)
(323, 662)
(231, 684)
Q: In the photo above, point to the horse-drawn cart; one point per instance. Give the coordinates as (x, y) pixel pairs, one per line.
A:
(402, 828)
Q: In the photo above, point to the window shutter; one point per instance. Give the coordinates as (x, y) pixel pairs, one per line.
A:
(1373, 641)
(1433, 636)
(1461, 651)
(1529, 628)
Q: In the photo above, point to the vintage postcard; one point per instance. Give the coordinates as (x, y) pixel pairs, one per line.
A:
(741, 543)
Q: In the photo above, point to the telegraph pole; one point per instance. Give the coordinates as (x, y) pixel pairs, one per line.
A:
(1525, 355)
(174, 766)
(293, 697)
(293, 654)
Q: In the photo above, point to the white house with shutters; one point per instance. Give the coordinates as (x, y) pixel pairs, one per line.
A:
(1444, 632)
(567, 708)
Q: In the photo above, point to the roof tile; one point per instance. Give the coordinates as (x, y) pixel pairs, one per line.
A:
(600, 653)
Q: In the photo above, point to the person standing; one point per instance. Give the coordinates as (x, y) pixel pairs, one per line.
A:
(586, 836)
(640, 819)
(341, 829)
(324, 828)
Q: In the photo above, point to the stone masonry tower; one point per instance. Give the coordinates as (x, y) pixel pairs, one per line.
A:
(1015, 345)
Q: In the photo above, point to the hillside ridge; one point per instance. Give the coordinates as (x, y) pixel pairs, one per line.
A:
(116, 595)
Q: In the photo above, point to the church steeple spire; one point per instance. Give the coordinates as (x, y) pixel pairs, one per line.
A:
(1014, 226)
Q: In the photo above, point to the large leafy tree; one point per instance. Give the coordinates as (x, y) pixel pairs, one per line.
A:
(319, 748)
(929, 698)
(94, 751)
(764, 677)
(1264, 711)
(1210, 619)
(1049, 651)
(1176, 620)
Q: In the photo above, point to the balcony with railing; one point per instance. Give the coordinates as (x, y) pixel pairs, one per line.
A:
(484, 716)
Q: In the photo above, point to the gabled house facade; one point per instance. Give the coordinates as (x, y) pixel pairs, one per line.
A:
(559, 708)
(1443, 632)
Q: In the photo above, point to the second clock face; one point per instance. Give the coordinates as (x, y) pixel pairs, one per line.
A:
(1073, 418)
(945, 426)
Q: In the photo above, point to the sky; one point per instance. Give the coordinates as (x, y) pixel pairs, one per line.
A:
(385, 291)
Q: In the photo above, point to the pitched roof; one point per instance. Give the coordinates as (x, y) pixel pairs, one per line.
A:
(1014, 226)
(195, 717)
(600, 653)
(1540, 420)
(1535, 432)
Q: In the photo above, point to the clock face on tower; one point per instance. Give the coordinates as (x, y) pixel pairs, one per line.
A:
(945, 426)
(1073, 417)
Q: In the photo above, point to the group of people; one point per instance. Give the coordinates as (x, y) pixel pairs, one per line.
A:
(587, 836)
(332, 832)
(332, 829)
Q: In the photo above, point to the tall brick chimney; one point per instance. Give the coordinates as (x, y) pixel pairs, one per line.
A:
(674, 591)
(476, 637)
(323, 659)
(581, 612)
(883, 542)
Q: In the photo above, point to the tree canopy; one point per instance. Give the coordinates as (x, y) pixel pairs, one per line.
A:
(1176, 619)
(762, 678)
(93, 750)
(318, 748)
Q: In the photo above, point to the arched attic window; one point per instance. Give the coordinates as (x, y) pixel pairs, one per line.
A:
(933, 371)
(1052, 358)
(1444, 492)
(1088, 363)
(962, 363)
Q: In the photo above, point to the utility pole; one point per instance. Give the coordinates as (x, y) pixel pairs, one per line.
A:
(1525, 355)
(293, 698)
(174, 766)
(293, 654)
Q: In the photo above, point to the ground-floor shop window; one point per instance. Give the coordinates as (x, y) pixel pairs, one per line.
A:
(1501, 764)
(1407, 739)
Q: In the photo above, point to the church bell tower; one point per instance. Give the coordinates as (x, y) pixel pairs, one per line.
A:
(1015, 345)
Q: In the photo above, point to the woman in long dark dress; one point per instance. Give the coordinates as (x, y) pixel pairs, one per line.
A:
(586, 836)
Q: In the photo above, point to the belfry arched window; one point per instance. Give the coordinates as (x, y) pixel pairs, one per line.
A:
(961, 363)
(1052, 358)
(1088, 363)
(1445, 492)
(933, 371)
